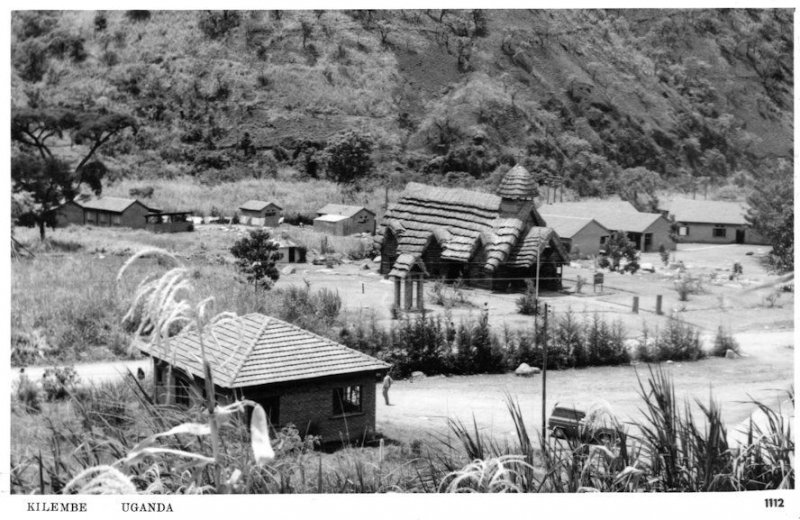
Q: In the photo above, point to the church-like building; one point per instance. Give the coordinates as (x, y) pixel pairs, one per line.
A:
(490, 241)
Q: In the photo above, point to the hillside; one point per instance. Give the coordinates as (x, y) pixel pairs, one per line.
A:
(447, 96)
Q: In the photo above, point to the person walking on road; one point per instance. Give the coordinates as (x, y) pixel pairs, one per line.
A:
(387, 384)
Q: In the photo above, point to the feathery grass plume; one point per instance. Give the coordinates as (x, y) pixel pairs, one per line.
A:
(492, 475)
(259, 437)
(100, 480)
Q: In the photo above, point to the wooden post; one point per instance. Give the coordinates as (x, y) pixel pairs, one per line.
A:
(397, 292)
(659, 303)
(635, 305)
(544, 377)
(409, 293)
(420, 293)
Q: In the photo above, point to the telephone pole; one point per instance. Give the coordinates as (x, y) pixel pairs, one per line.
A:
(544, 377)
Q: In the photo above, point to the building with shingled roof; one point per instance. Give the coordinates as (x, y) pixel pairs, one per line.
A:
(581, 236)
(490, 241)
(104, 212)
(711, 221)
(343, 220)
(320, 386)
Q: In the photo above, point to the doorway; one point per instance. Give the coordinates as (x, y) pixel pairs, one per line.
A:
(740, 236)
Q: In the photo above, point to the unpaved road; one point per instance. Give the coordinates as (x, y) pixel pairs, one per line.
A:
(89, 372)
(421, 409)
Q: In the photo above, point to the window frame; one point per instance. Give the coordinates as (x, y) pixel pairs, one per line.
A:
(344, 407)
(719, 232)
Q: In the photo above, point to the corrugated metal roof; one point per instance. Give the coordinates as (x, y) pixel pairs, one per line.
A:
(257, 205)
(341, 209)
(257, 350)
(706, 211)
(112, 204)
(568, 227)
(615, 215)
(332, 218)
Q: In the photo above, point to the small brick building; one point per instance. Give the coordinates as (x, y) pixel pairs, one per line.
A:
(342, 220)
(320, 386)
(104, 212)
(258, 212)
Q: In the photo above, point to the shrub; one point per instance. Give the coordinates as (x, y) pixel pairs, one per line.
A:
(526, 304)
(679, 341)
(59, 382)
(137, 15)
(348, 156)
(28, 394)
(579, 283)
(217, 24)
(105, 405)
(687, 284)
(723, 342)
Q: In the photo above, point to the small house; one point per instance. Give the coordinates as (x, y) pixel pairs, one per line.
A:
(647, 231)
(492, 241)
(258, 212)
(291, 252)
(169, 222)
(711, 221)
(320, 386)
(342, 220)
(581, 236)
(104, 212)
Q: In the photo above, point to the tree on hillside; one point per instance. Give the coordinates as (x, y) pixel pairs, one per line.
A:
(255, 258)
(617, 248)
(638, 186)
(349, 156)
(50, 180)
(771, 214)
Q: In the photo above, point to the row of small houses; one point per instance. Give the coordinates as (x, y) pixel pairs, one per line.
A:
(332, 219)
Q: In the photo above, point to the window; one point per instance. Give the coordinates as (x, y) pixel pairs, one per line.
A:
(362, 219)
(115, 220)
(346, 400)
(90, 217)
(603, 239)
(719, 232)
(683, 231)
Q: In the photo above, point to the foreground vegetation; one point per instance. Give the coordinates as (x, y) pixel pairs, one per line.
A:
(114, 439)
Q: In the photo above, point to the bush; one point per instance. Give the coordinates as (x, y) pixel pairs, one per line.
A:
(526, 304)
(687, 284)
(348, 156)
(137, 15)
(59, 382)
(28, 394)
(217, 24)
(105, 405)
(723, 342)
(679, 341)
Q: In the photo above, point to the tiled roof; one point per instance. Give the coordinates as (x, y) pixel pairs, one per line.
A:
(460, 220)
(568, 227)
(535, 242)
(341, 209)
(518, 184)
(257, 205)
(113, 204)
(256, 350)
(404, 264)
(615, 215)
(706, 211)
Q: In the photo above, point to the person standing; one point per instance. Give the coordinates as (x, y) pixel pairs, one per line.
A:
(387, 384)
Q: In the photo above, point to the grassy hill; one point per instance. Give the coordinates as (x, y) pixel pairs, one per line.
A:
(447, 96)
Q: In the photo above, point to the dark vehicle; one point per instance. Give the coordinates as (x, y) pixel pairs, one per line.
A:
(570, 423)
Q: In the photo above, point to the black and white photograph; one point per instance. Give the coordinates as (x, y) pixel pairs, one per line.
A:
(401, 251)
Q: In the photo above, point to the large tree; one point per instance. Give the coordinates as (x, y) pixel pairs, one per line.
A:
(49, 179)
(256, 256)
(771, 214)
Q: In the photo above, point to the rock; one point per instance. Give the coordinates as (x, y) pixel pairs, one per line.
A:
(289, 269)
(525, 370)
(669, 362)
(365, 267)
(647, 266)
(377, 259)
(730, 354)
(417, 375)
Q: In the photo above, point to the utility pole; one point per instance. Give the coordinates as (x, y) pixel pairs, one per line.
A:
(544, 377)
(536, 323)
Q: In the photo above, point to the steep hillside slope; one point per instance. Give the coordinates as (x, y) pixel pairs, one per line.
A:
(579, 96)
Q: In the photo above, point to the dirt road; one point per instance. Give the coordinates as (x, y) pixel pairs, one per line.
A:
(89, 372)
(421, 409)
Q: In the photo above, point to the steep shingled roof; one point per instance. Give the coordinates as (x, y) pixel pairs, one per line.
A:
(460, 220)
(257, 350)
(518, 184)
(706, 211)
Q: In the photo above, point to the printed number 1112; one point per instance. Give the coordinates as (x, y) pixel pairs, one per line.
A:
(773, 502)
